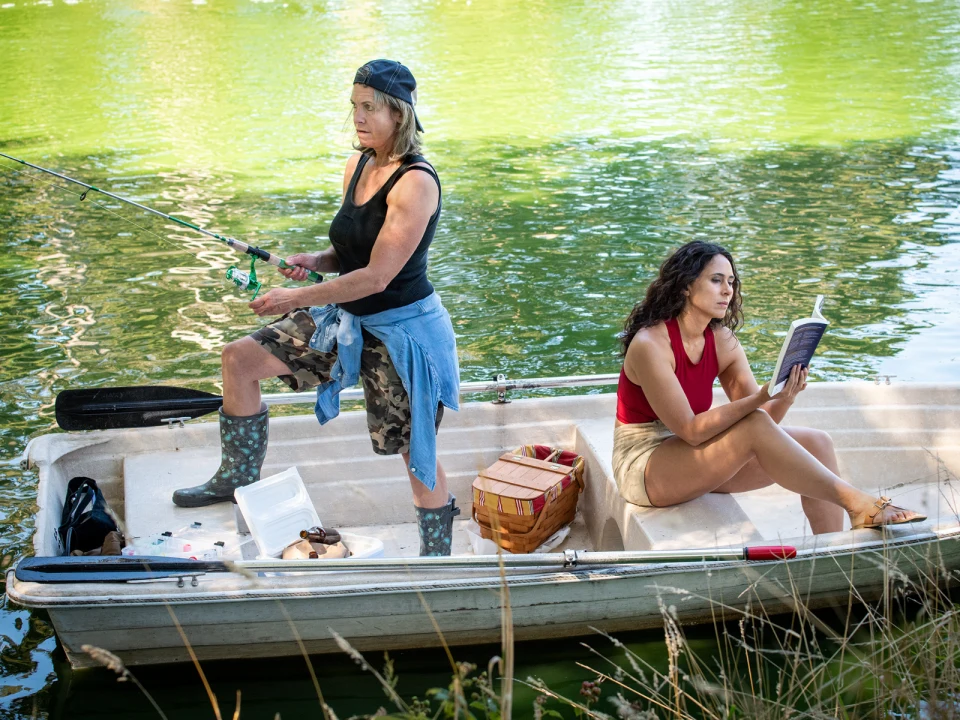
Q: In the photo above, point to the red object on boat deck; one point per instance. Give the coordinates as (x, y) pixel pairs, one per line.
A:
(769, 552)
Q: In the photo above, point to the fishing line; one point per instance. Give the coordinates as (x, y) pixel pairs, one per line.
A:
(39, 178)
(245, 280)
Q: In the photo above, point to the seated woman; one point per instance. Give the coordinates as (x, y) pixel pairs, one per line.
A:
(670, 446)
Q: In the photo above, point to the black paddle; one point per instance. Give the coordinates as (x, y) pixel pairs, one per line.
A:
(111, 568)
(131, 407)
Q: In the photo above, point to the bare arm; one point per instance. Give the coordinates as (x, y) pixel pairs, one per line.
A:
(738, 381)
(649, 363)
(410, 205)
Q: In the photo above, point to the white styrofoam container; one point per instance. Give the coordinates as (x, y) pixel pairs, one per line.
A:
(276, 509)
(362, 546)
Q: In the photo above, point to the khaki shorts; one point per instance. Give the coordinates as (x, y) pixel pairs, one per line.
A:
(632, 447)
(388, 405)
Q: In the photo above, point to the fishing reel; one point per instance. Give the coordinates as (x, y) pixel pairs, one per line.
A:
(245, 280)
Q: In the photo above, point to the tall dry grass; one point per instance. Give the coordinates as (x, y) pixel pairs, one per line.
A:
(893, 658)
(896, 658)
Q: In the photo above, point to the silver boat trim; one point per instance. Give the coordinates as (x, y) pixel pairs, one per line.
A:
(500, 386)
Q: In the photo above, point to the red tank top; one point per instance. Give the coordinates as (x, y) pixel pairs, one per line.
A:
(695, 379)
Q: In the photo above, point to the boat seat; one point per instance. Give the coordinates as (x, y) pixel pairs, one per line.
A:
(713, 520)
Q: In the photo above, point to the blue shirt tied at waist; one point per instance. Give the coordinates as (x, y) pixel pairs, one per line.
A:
(419, 339)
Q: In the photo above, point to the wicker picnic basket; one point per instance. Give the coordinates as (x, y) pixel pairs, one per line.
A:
(527, 495)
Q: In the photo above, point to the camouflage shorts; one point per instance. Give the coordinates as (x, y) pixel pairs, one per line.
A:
(388, 405)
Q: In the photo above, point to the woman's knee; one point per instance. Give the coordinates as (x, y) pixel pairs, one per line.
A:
(235, 358)
(755, 424)
(817, 442)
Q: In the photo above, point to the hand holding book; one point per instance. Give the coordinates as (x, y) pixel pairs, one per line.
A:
(798, 346)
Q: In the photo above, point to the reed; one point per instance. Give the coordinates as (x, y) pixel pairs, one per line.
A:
(898, 657)
(894, 658)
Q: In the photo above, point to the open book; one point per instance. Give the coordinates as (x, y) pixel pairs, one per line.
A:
(798, 346)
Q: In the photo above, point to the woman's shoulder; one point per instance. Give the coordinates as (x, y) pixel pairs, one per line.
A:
(353, 161)
(423, 183)
(649, 347)
(653, 339)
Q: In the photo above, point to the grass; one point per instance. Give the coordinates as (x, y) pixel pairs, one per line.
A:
(898, 657)
(894, 658)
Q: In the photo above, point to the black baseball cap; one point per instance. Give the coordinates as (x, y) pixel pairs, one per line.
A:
(392, 78)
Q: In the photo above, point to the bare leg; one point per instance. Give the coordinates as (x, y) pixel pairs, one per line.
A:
(422, 497)
(244, 424)
(822, 515)
(245, 363)
(677, 471)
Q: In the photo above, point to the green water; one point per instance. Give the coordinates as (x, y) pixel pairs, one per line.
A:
(577, 142)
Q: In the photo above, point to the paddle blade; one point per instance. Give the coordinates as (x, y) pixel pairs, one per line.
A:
(130, 407)
(99, 569)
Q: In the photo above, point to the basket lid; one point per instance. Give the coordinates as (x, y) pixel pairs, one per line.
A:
(524, 478)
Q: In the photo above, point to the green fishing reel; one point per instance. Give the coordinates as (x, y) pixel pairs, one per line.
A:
(245, 280)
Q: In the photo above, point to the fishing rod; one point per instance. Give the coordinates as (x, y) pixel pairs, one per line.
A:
(245, 280)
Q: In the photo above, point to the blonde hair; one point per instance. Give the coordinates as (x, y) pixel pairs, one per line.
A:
(406, 140)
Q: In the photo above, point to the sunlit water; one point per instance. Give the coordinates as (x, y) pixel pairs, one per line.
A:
(577, 142)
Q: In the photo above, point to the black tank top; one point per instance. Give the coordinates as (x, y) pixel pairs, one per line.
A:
(354, 231)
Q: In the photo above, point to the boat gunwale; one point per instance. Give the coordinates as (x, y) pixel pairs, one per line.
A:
(603, 573)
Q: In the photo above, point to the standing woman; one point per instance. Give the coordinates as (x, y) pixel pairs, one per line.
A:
(380, 320)
(670, 446)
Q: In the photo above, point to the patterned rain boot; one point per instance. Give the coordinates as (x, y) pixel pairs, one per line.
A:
(243, 444)
(436, 528)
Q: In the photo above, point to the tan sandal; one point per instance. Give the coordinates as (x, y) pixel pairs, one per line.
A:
(880, 505)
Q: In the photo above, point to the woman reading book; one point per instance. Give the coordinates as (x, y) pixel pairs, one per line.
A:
(671, 446)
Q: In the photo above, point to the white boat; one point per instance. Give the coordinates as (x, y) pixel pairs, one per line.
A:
(899, 439)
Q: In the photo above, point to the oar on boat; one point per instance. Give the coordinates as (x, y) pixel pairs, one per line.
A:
(130, 407)
(124, 569)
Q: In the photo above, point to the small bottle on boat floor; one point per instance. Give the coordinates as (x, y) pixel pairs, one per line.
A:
(318, 535)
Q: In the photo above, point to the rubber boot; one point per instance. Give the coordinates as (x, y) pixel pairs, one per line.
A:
(243, 444)
(436, 528)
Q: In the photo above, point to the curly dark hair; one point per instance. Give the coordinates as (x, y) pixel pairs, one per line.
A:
(665, 298)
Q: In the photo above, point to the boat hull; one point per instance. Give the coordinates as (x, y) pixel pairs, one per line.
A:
(900, 440)
(251, 618)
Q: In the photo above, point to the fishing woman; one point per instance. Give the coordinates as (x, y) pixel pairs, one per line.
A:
(380, 320)
(671, 446)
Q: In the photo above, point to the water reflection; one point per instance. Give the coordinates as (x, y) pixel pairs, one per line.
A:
(577, 142)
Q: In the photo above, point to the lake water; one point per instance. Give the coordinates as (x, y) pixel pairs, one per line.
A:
(577, 143)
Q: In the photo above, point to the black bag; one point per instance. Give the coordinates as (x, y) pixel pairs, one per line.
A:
(85, 521)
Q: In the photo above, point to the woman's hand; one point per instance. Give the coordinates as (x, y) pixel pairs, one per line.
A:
(278, 301)
(796, 383)
(304, 262)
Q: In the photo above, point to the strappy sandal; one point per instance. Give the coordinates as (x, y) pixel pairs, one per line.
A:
(880, 505)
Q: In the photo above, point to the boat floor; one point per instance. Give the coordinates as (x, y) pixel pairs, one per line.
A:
(151, 478)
